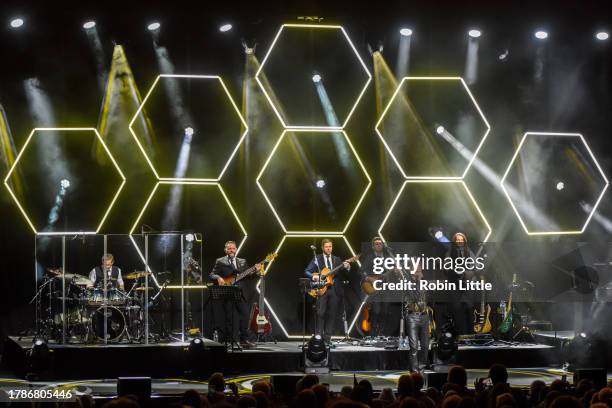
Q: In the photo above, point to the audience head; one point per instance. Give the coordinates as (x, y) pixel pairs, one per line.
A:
(405, 386)
(457, 375)
(216, 382)
(498, 373)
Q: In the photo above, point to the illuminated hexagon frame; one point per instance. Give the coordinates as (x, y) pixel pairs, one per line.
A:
(229, 97)
(278, 247)
(267, 162)
(64, 129)
(392, 207)
(390, 151)
(322, 27)
(146, 205)
(516, 153)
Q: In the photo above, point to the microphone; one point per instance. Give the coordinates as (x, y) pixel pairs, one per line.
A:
(314, 248)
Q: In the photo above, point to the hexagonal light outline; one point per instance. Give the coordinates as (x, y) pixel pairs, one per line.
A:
(183, 182)
(64, 129)
(316, 26)
(396, 92)
(278, 247)
(516, 153)
(465, 187)
(273, 151)
(144, 101)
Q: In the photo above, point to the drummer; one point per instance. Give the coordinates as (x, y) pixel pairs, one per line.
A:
(113, 274)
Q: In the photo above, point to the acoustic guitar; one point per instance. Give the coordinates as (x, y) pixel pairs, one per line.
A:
(326, 278)
(233, 279)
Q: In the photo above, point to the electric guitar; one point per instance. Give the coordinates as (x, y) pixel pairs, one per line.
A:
(482, 319)
(506, 324)
(326, 278)
(233, 279)
(260, 316)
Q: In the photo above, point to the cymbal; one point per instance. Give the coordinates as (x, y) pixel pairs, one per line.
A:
(137, 274)
(76, 279)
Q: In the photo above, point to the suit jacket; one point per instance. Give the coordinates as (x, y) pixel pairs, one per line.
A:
(336, 260)
(224, 269)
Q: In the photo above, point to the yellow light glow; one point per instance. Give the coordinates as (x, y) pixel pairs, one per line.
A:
(321, 27)
(446, 181)
(518, 215)
(277, 250)
(390, 151)
(229, 97)
(267, 162)
(64, 129)
(183, 182)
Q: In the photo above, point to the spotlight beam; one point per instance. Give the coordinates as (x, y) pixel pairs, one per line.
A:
(512, 204)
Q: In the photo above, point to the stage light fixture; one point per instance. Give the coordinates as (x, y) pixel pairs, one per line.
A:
(446, 344)
(39, 356)
(503, 55)
(440, 129)
(316, 355)
(406, 32)
(541, 35)
(225, 28)
(189, 237)
(320, 183)
(560, 185)
(65, 183)
(188, 131)
(316, 78)
(89, 25)
(602, 35)
(474, 33)
(438, 235)
(154, 26)
(16, 22)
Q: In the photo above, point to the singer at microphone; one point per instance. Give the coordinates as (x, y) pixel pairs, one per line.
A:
(113, 274)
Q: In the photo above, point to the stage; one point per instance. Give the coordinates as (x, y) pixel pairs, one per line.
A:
(179, 360)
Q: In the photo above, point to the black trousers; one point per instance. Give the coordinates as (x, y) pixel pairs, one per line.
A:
(418, 339)
(378, 315)
(329, 311)
(240, 317)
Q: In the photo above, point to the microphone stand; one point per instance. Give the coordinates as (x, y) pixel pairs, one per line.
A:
(318, 288)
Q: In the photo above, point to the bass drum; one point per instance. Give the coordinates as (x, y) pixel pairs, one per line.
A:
(115, 323)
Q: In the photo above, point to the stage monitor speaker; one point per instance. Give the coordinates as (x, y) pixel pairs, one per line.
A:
(285, 384)
(436, 380)
(138, 386)
(597, 375)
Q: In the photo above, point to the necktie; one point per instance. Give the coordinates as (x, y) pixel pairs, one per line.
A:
(329, 262)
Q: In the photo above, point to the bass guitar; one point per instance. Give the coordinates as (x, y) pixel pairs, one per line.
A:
(326, 278)
(260, 316)
(233, 279)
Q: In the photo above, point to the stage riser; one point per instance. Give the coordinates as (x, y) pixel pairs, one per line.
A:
(165, 361)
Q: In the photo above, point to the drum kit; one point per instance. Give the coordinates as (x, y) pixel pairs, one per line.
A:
(91, 313)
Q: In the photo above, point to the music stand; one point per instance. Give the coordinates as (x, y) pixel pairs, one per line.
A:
(228, 295)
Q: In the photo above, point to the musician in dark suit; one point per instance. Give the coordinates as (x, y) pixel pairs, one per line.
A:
(224, 268)
(329, 308)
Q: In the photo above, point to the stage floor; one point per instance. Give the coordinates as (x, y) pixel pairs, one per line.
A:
(177, 360)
